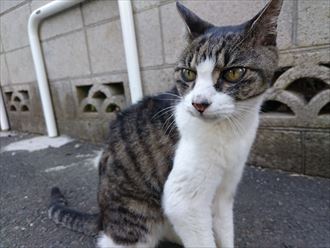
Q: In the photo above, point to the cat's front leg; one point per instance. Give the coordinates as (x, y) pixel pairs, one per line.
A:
(223, 224)
(187, 199)
(189, 214)
(223, 221)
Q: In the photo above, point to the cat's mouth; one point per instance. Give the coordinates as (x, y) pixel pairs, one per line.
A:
(211, 115)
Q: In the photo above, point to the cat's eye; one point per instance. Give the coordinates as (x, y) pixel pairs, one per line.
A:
(188, 75)
(234, 74)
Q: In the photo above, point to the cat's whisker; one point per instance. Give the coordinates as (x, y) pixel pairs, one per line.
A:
(233, 126)
(164, 111)
(168, 99)
(245, 106)
(239, 119)
(173, 121)
(230, 123)
(171, 94)
(165, 125)
(248, 111)
(171, 126)
(264, 120)
(236, 127)
(252, 111)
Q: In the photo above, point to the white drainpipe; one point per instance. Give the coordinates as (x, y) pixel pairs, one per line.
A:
(37, 16)
(4, 124)
(131, 54)
(35, 19)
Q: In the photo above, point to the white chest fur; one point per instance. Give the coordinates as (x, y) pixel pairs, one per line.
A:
(222, 144)
(208, 165)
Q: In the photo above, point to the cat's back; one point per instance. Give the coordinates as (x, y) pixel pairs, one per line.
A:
(147, 125)
(140, 148)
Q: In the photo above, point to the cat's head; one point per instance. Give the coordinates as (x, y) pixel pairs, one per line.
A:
(222, 68)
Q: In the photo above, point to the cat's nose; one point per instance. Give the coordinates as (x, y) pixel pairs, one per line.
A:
(201, 106)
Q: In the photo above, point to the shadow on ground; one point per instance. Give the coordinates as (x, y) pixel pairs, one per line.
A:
(272, 209)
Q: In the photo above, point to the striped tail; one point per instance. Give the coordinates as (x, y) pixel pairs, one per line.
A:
(69, 218)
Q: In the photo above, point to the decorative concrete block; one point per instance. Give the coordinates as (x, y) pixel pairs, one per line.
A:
(313, 22)
(4, 75)
(174, 31)
(106, 47)
(24, 108)
(278, 149)
(20, 65)
(99, 10)
(85, 85)
(297, 57)
(18, 100)
(157, 80)
(317, 153)
(66, 56)
(63, 22)
(13, 28)
(149, 37)
(101, 100)
(8, 4)
(300, 93)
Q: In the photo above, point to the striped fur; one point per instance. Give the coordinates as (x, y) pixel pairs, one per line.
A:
(132, 173)
(77, 221)
(135, 166)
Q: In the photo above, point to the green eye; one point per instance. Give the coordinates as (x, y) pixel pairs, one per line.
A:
(234, 74)
(188, 75)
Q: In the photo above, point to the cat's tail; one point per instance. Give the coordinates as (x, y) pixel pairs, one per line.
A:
(69, 218)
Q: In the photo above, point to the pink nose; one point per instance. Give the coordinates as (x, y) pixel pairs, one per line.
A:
(200, 107)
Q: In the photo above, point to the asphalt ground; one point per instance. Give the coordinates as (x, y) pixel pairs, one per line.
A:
(272, 208)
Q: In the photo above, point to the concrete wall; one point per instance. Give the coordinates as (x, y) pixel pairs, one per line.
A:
(84, 55)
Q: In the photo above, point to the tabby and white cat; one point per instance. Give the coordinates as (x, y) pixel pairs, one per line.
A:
(173, 161)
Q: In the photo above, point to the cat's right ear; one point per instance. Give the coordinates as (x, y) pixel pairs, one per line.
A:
(262, 29)
(195, 25)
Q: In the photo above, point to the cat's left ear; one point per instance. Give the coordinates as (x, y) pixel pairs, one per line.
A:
(262, 29)
(195, 25)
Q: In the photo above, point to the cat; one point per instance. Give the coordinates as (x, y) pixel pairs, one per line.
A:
(173, 161)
